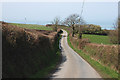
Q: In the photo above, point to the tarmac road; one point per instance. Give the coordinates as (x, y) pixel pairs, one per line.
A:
(73, 66)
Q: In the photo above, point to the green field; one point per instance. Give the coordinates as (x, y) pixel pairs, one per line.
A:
(100, 39)
(104, 71)
(32, 26)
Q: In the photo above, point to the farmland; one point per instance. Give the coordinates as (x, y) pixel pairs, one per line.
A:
(99, 52)
(100, 39)
(32, 26)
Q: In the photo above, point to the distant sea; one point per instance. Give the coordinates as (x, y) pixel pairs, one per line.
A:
(108, 27)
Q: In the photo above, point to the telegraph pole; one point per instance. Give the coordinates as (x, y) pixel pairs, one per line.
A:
(80, 31)
(25, 20)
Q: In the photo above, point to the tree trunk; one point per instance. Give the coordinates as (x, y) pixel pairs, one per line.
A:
(73, 32)
(55, 28)
(80, 36)
(80, 33)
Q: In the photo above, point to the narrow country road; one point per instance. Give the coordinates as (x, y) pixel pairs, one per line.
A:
(73, 66)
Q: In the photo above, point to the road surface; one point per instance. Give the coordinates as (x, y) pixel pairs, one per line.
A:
(73, 66)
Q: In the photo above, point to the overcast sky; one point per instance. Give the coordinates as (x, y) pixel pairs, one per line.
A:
(100, 13)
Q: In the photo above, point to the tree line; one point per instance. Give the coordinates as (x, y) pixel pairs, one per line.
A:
(79, 26)
(70, 21)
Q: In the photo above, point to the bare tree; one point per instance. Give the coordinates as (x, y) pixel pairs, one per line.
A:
(71, 21)
(114, 34)
(56, 22)
(80, 22)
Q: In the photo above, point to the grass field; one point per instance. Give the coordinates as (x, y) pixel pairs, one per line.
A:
(32, 26)
(102, 70)
(100, 39)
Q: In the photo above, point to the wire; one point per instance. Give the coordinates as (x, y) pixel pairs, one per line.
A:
(81, 14)
(82, 8)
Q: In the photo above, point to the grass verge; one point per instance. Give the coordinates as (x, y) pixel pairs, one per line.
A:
(104, 71)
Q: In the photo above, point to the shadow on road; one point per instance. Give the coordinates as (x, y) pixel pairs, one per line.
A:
(60, 65)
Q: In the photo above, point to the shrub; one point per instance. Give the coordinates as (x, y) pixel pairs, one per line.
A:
(25, 51)
(113, 35)
(83, 42)
(105, 54)
(92, 29)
